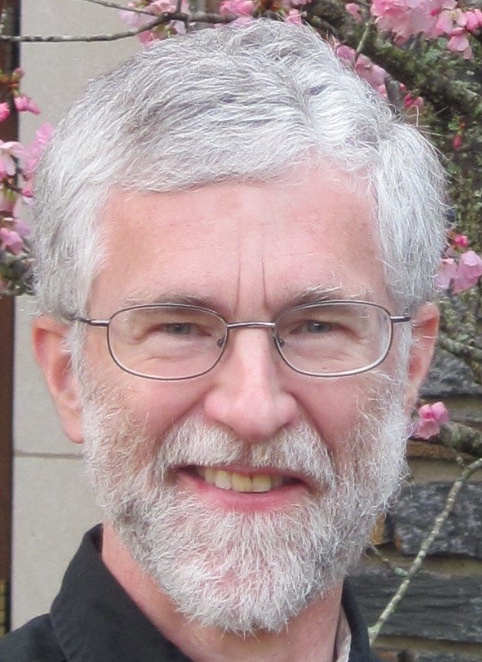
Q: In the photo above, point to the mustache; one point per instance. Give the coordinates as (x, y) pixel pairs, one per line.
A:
(298, 450)
(194, 442)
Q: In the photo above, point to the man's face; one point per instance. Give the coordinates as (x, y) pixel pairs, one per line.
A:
(169, 459)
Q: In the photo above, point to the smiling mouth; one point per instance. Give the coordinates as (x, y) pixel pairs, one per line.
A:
(228, 480)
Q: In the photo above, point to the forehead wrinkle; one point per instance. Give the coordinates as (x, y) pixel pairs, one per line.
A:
(249, 258)
(236, 303)
(265, 285)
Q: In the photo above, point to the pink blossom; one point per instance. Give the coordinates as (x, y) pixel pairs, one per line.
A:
(445, 23)
(460, 240)
(372, 73)
(468, 272)
(43, 135)
(27, 192)
(293, 17)
(458, 42)
(408, 18)
(21, 228)
(138, 20)
(404, 18)
(471, 21)
(33, 152)
(474, 19)
(354, 9)
(26, 104)
(11, 240)
(4, 111)
(430, 419)
(413, 102)
(130, 17)
(238, 7)
(161, 6)
(457, 141)
(345, 52)
(447, 271)
(9, 151)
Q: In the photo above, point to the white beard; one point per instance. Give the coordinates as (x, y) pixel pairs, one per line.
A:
(243, 571)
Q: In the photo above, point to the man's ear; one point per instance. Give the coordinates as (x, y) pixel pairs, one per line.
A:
(424, 335)
(50, 349)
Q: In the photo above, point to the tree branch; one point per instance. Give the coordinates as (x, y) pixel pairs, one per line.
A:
(461, 438)
(463, 350)
(419, 559)
(33, 38)
(400, 572)
(115, 5)
(167, 17)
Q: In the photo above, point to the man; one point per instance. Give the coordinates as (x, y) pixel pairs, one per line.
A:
(236, 241)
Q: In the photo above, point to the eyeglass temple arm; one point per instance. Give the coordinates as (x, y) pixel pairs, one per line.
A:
(91, 322)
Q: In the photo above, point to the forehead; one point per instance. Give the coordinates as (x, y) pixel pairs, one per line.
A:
(224, 244)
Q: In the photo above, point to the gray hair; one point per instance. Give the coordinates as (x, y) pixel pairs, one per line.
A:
(247, 104)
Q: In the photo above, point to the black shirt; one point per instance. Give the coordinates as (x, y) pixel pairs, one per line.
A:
(94, 620)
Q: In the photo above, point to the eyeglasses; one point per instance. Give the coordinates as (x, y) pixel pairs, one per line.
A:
(176, 341)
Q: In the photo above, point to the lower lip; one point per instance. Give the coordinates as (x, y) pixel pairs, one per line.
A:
(278, 498)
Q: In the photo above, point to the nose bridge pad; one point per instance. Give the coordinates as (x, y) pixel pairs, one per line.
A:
(246, 326)
(278, 341)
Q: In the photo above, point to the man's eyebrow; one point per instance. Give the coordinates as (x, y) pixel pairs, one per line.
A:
(171, 297)
(312, 294)
(317, 294)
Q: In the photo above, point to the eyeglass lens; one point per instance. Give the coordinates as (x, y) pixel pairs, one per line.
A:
(178, 342)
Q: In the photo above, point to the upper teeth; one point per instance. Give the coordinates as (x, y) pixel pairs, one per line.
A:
(227, 480)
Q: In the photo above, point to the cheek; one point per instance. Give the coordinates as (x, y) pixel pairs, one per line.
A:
(161, 405)
(335, 407)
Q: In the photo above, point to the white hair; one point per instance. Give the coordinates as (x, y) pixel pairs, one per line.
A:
(239, 104)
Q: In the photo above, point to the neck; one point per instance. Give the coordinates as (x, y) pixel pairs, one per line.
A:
(308, 637)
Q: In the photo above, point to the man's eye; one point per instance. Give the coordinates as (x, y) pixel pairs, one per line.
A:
(312, 327)
(177, 328)
(316, 327)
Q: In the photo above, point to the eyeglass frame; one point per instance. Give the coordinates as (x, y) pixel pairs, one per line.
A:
(278, 342)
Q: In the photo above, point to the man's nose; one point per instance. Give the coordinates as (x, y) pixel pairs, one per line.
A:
(249, 393)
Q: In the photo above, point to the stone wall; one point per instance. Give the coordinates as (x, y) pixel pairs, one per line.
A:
(440, 618)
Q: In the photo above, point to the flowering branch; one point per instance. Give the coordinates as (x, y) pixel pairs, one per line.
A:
(427, 543)
(442, 92)
(400, 63)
